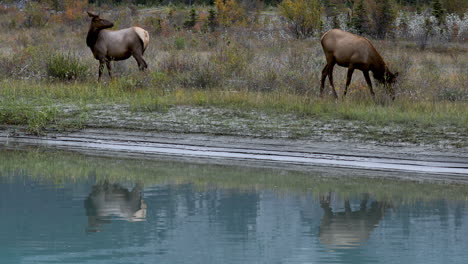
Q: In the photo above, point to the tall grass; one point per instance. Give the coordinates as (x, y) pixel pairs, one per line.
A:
(243, 68)
(122, 91)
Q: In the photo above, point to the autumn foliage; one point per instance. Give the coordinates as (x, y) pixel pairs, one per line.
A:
(304, 16)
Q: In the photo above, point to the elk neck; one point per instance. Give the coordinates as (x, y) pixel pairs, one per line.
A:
(92, 37)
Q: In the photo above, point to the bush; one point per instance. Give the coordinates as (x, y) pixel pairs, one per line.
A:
(179, 43)
(304, 16)
(36, 15)
(230, 12)
(233, 59)
(202, 75)
(66, 67)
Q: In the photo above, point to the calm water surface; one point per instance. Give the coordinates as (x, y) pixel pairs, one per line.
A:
(69, 208)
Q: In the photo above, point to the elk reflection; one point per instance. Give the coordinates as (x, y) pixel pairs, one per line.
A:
(112, 200)
(349, 228)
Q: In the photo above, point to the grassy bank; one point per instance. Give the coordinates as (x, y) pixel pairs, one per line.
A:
(252, 70)
(62, 106)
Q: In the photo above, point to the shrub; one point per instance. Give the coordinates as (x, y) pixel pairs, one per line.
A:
(201, 75)
(233, 59)
(176, 63)
(179, 43)
(304, 16)
(230, 12)
(74, 10)
(36, 15)
(65, 67)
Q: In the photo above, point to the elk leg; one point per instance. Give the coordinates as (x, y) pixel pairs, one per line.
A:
(109, 68)
(330, 78)
(101, 68)
(327, 210)
(347, 206)
(141, 62)
(369, 83)
(391, 91)
(348, 79)
(322, 81)
(363, 206)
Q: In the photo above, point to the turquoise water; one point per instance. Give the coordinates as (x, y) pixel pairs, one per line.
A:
(64, 208)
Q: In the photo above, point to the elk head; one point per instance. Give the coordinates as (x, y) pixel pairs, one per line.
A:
(98, 23)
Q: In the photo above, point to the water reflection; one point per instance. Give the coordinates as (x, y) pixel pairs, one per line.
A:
(219, 214)
(107, 201)
(351, 227)
(237, 211)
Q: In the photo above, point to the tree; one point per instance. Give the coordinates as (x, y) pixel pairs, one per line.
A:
(212, 21)
(437, 11)
(383, 16)
(191, 20)
(229, 12)
(455, 6)
(304, 16)
(331, 11)
(359, 20)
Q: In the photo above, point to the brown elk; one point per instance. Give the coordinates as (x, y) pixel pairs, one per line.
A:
(354, 52)
(108, 45)
(351, 227)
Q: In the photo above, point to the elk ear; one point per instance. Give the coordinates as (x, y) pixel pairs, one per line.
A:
(396, 74)
(92, 14)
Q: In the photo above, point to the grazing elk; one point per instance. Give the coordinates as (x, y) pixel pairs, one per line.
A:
(354, 52)
(108, 45)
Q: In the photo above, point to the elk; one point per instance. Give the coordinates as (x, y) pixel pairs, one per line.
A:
(354, 52)
(351, 227)
(108, 45)
(108, 200)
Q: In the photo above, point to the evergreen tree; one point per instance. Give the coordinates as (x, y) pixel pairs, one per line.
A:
(437, 11)
(331, 12)
(359, 20)
(384, 16)
(191, 20)
(212, 21)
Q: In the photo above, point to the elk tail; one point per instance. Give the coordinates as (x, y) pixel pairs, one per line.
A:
(143, 35)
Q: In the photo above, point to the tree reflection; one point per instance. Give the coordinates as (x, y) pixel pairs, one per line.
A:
(108, 200)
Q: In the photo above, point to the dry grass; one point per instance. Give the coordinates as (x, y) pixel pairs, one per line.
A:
(253, 67)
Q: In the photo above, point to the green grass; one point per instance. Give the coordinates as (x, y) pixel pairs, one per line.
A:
(21, 112)
(37, 104)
